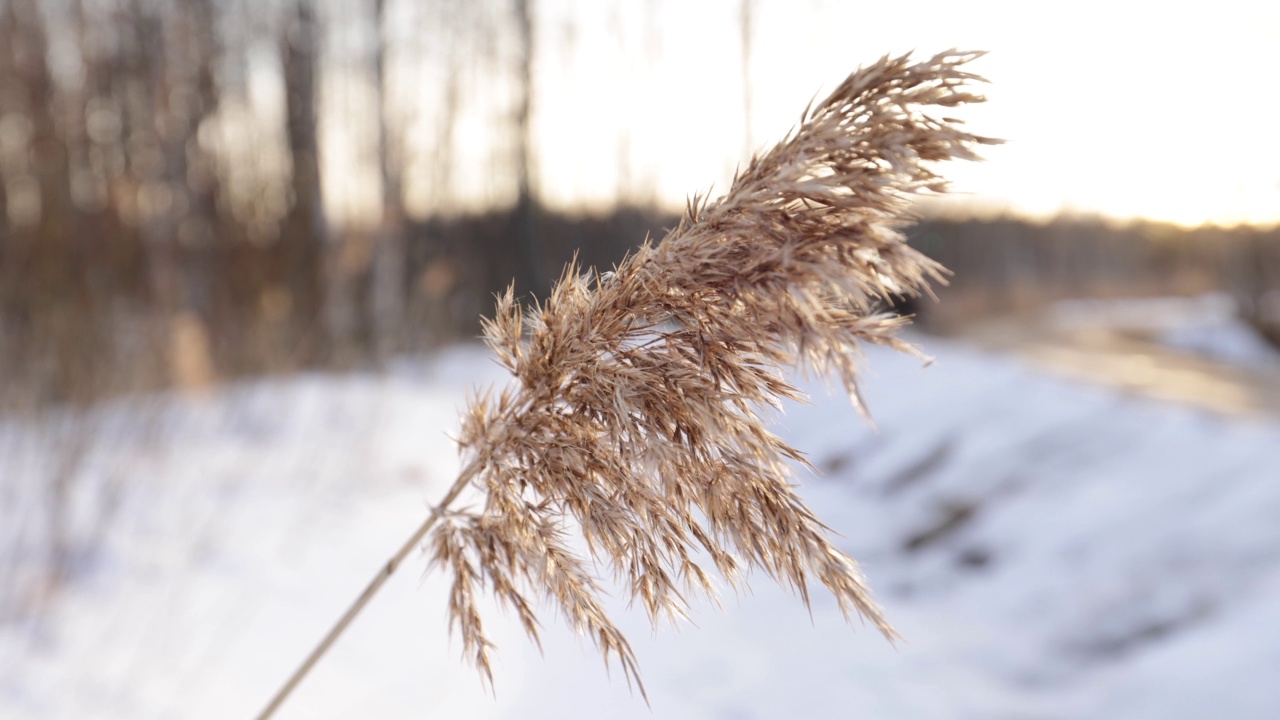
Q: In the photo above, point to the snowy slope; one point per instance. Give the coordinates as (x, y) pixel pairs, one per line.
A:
(1208, 325)
(1049, 550)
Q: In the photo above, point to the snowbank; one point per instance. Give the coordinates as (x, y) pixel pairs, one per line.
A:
(1049, 550)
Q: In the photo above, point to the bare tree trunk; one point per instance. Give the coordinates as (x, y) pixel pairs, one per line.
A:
(52, 296)
(1257, 283)
(192, 176)
(148, 88)
(305, 232)
(49, 277)
(526, 205)
(388, 286)
(4, 224)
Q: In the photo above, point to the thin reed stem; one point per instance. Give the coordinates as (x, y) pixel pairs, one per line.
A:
(384, 573)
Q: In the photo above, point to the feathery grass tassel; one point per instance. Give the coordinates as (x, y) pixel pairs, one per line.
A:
(636, 419)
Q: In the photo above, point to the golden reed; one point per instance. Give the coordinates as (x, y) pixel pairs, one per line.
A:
(635, 420)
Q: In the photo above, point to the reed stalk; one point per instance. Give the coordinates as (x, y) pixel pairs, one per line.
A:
(637, 419)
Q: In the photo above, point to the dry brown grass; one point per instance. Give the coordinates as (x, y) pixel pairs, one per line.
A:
(636, 420)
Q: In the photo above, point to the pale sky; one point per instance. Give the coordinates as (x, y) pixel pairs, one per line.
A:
(1122, 108)
(1126, 109)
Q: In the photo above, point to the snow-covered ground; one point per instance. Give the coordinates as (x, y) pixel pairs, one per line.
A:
(1207, 325)
(1049, 550)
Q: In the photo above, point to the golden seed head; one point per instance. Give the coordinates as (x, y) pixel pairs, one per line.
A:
(636, 420)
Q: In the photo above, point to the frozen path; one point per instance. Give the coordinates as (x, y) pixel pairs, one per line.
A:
(1049, 550)
(1194, 351)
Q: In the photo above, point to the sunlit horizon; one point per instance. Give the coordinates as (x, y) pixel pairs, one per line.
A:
(1118, 110)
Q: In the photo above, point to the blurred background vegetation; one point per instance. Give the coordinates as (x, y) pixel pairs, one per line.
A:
(168, 216)
(199, 190)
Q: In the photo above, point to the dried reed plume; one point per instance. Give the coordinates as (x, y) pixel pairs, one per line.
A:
(635, 423)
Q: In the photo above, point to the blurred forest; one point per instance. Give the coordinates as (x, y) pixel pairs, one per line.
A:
(161, 223)
(1007, 265)
(164, 219)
